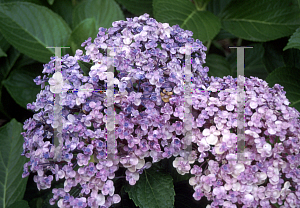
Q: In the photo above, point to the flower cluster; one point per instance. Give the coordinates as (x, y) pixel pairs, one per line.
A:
(149, 66)
(272, 130)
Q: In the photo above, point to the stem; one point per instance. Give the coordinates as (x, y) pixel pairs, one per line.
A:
(120, 177)
(74, 2)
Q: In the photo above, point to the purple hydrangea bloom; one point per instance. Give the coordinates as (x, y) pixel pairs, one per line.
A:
(150, 123)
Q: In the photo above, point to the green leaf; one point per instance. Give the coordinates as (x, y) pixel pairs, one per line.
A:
(217, 6)
(153, 189)
(39, 202)
(64, 8)
(166, 166)
(6, 66)
(12, 186)
(14, 60)
(31, 28)
(138, 7)
(8, 107)
(31, 1)
(223, 34)
(4, 45)
(272, 58)
(2, 53)
(20, 203)
(201, 4)
(85, 29)
(289, 78)
(25, 60)
(218, 65)
(294, 41)
(8, 62)
(21, 87)
(276, 205)
(126, 202)
(291, 57)
(261, 20)
(253, 62)
(204, 24)
(85, 67)
(105, 12)
(50, 2)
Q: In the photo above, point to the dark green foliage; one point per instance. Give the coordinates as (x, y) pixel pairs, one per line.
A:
(29, 26)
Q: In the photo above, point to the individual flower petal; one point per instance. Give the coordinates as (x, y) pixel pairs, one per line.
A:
(206, 132)
(212, 139)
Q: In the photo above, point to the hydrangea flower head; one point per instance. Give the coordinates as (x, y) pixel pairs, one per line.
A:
(149, 64)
